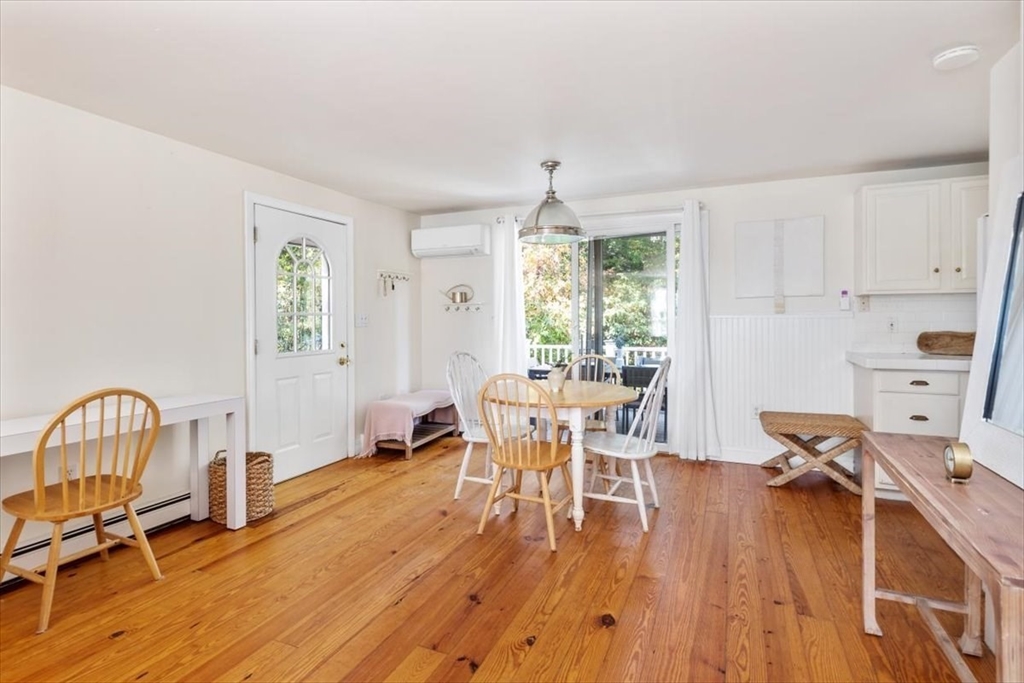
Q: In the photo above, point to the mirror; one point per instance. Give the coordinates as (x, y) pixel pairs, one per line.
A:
(1004, 400)
(992, 413)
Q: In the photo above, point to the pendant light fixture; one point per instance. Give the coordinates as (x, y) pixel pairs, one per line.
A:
(551, 222)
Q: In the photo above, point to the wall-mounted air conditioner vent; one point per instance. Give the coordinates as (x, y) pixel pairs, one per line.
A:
(459, 240)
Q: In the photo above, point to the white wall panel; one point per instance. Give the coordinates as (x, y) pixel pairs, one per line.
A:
(787, 363)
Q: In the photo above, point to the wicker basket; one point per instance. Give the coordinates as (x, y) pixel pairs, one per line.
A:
(259, 486)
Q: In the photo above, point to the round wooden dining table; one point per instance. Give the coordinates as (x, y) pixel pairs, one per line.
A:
(577, 400)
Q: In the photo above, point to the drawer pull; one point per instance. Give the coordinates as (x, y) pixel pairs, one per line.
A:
(919, 418)
(919, 383)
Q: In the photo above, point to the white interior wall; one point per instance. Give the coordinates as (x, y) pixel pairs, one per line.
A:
(1006, 112)
(122, 262)
(740, 388)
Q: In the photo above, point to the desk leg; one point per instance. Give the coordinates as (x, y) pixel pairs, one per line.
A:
(579, 461)
(867, 522)
(199, 468)
(970, 641)
(235, 494)
(1009, 613)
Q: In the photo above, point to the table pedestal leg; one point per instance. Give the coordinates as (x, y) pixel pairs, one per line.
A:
(579, 460)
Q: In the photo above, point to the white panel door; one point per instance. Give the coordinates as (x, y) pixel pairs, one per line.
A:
(301, 322)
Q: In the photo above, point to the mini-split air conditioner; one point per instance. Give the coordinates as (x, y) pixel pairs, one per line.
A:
(458, 240)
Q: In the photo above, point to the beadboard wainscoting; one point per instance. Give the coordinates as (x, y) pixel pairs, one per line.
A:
(781, 362)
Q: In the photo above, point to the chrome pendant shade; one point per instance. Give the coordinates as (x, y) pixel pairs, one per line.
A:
(551, 222)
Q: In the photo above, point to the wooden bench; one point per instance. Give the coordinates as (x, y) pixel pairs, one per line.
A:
(391, 423)
(787, 428)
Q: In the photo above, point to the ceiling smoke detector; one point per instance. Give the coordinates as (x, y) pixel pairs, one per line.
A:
(956, 57)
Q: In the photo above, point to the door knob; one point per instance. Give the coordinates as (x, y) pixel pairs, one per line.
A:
(343, 360)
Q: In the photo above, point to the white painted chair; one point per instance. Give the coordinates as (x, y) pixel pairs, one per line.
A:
(636, 445)
(465, 378)
(595, 368)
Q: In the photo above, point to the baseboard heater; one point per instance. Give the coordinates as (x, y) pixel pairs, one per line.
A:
(44, 544)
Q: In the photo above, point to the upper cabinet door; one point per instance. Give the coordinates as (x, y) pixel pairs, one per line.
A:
(968, 203)
(919, 237)
(901, 232)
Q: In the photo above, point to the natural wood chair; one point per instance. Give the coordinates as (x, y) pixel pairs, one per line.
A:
(506, 402)
(638, 444)
(108, 468)
(593, 367)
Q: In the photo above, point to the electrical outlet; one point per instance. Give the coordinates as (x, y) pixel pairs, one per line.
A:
(756, 414)
(892, 326)
(863, 304)
(363, 320)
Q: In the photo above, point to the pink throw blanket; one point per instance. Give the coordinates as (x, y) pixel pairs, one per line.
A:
(392, 418)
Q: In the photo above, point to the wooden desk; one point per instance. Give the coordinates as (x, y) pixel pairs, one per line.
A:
(982, 522)
(19, 436)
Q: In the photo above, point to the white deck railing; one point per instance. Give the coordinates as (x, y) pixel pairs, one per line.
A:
(550, 354)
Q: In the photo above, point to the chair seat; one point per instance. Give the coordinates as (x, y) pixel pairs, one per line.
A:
(23, 504)
(607, 443)
(544, 463)
(475, 434)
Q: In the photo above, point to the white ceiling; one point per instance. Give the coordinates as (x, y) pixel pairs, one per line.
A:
(439, 106)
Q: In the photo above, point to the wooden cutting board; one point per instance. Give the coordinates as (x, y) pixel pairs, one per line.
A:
(946, 343)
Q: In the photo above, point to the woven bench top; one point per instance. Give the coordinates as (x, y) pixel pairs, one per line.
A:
(818, 424)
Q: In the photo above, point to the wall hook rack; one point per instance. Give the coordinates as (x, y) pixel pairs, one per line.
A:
(388, 278)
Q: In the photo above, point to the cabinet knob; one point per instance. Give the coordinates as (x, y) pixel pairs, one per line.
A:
(936, 270)
(958, 269)
(919, 418)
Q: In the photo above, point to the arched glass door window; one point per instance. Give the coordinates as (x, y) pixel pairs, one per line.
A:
(304, 306)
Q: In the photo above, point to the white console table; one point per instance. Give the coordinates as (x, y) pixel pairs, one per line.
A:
(19, 435)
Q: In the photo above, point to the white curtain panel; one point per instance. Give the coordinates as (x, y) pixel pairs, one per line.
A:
(509, 307)
(693, 430)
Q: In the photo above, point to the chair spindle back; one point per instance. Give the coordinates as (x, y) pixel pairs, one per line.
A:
(121, 442)
(465, 378)
(595, 368)
(507, 403)
(645, 422)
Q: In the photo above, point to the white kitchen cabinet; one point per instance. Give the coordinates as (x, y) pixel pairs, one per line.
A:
(968, 201)
(918, 237)
(925, 402)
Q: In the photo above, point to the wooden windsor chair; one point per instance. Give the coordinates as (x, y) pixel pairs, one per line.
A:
(507, 402)
(108, 477)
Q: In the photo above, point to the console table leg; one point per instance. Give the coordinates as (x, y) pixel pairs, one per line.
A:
(970, 641)
(199, 467)
(867, 521)
(1009, 608)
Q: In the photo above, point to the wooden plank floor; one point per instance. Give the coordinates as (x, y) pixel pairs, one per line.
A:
(369, 571)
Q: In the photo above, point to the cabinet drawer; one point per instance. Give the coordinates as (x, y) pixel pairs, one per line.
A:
(917, 414)
(915, 382)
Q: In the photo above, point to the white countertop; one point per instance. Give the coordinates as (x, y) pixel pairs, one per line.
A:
(908, 361)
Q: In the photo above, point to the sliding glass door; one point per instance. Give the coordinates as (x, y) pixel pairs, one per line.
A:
(613, 294)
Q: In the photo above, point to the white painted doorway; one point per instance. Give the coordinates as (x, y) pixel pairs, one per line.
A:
(300, 406)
